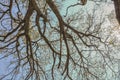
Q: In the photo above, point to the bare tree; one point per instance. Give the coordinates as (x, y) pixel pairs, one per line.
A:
(37, 36)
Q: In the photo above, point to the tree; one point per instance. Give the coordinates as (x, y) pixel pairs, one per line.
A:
(117, 9)
(37, 35)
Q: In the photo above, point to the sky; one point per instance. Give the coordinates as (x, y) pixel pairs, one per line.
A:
(89, 6)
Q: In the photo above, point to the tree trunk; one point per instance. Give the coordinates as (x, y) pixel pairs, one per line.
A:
(117, 9)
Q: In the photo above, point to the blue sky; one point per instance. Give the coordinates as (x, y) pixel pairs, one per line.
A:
(89, 6)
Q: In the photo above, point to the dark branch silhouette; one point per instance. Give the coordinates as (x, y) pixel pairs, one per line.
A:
(117, 9)
(37, 35)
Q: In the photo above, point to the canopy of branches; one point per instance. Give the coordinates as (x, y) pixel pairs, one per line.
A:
(47, 40)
